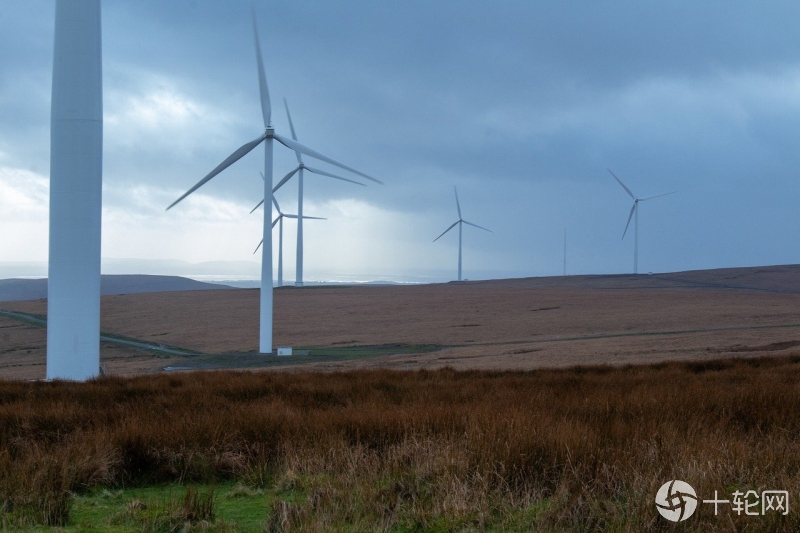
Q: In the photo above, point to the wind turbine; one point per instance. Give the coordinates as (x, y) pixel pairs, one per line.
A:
(460, 223)
(635, 210)
(76, 182)
(299, 168)
(265, 340)
(279, 221)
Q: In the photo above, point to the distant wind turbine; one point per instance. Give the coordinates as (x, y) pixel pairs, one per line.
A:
(460, 223)
(265, 340)
(635, 210)
(279, 221)
(299, 168)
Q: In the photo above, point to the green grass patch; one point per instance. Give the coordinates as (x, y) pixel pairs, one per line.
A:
(233, 507)
(39, 321)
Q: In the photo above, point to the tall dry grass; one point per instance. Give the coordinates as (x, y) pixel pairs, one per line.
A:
(582, 449)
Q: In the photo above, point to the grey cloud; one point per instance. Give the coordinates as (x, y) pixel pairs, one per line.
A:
(523, 104)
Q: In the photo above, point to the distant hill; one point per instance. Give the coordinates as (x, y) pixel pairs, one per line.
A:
(781, 279)
(775, 279)
(35, 289)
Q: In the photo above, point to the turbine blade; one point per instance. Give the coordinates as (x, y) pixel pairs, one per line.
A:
(259, 246)
(262, 176)
(291, 127)
(304, 217)
(275, 201)
(294, 145)
(629, 220)
(656, 196)
(266, 108)
(286, 178)
(231, 159)
(458, 205)
(623, 185)
(328, 174)
(276, 220)
(445, 231)
(257, 206)
(477, 226)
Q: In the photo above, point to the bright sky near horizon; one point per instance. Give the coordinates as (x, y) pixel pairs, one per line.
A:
(522, 105)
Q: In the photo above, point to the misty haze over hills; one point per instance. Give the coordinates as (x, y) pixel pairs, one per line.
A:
(236, 273)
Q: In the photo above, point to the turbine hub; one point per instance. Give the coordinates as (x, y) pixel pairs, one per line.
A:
(269, 132)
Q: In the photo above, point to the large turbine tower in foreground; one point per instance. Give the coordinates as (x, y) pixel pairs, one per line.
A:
(76, 176)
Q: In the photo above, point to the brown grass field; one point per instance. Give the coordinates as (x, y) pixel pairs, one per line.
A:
(368, 450)
(692, 376)
(517, 324)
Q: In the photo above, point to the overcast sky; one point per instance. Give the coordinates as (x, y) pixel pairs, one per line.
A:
(521, 105)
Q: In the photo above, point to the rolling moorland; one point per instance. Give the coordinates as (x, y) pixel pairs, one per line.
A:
(516, 324)
(549, 404)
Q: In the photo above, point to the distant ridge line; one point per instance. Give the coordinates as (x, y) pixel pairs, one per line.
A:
(779, 279)
(16, 289)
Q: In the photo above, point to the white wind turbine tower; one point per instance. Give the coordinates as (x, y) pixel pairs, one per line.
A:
(299, 169)
(279, 221)
(76, 180)
(265, 338)
(460, 223)
(635, 211)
